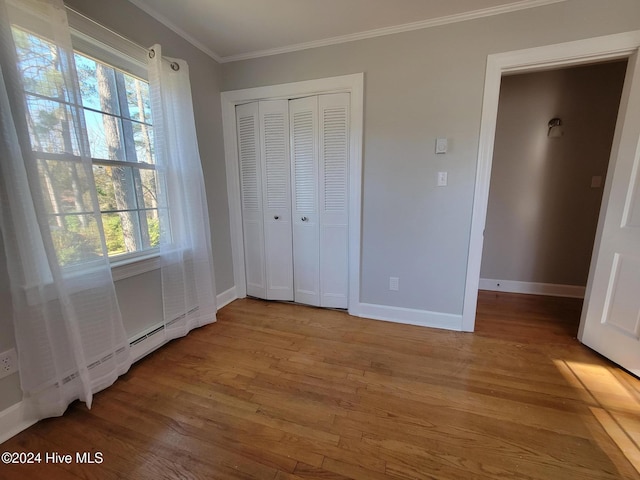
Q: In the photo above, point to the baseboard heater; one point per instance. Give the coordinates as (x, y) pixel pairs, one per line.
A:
(146, 336)
(154, 337)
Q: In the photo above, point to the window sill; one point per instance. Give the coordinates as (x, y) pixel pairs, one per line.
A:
(138, 265)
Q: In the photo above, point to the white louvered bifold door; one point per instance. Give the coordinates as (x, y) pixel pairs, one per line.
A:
(333, 199)
(274, 134)
(303, 119)
(247, 124)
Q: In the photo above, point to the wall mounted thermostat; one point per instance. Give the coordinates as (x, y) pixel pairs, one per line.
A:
(441, 145)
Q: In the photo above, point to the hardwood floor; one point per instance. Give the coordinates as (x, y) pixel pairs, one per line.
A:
(277, 391)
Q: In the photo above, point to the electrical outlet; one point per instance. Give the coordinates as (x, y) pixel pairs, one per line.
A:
(394, 284)
(8, 363)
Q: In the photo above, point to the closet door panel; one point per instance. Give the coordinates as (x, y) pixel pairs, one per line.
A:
(334, 260)
(274, 134)
(334, 199)
(303, 118)
(247, 124)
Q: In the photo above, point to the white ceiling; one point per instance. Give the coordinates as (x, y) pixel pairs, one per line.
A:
(230, 30)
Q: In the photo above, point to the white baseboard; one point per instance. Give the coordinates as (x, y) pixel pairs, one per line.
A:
(226, 297)
(423, 318)
(532, 288)
(13, 420)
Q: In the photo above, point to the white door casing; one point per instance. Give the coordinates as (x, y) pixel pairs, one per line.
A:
(611, 315)
(352, 84)
(609, 322)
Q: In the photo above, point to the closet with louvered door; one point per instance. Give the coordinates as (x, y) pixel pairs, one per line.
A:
(294, 159)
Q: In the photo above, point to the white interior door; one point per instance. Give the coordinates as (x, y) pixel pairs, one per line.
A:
(611, 315)
(247, 123)
(303, 117)
(274, 135)
(334, 199)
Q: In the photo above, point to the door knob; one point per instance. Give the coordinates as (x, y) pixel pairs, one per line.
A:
(304, 219)
(276, 217)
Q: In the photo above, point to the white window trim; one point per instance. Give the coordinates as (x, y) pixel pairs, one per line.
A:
(135, 265)
(127, 56)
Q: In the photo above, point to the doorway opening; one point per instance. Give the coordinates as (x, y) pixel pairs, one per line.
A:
(554, 133)
(624, 167)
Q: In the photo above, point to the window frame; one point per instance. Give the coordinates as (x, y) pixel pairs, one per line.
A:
(92, 39)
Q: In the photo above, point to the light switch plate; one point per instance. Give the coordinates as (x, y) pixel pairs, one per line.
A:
(442, 145)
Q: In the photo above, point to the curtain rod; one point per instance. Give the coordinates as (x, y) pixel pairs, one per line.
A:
(78, 19)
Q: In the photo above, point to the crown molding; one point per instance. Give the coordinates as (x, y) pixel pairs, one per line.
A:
(407, 27)
(171, 26)
(379, 32)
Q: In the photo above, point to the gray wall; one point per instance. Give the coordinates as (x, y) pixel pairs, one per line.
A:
(418, 86)
(543, 213)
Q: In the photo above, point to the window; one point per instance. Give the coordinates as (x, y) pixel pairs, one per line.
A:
(117, 129)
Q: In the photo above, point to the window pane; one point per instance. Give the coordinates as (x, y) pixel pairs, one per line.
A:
(122, 232)
(76, 238)
(65, 187)
(104, 188)
(146, 188)
(113, 235)
(153, 225)
(142, 141)
(115, 187)
(39, 64)
(97, 85)
(105, 136)
(51, 126)
(138, 99)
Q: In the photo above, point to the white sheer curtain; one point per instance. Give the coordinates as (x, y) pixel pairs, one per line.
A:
(70, 338)
(188, 287)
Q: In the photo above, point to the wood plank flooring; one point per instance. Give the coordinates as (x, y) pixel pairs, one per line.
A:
(285, 392)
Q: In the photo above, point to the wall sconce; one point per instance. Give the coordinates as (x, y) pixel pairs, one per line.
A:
(555, 128)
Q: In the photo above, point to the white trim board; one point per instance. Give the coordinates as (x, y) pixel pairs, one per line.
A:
(225, 298)
(410, 316)
(353, 84)
(532, 288)
(591, 50)
(378, 32)
(14, 420)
